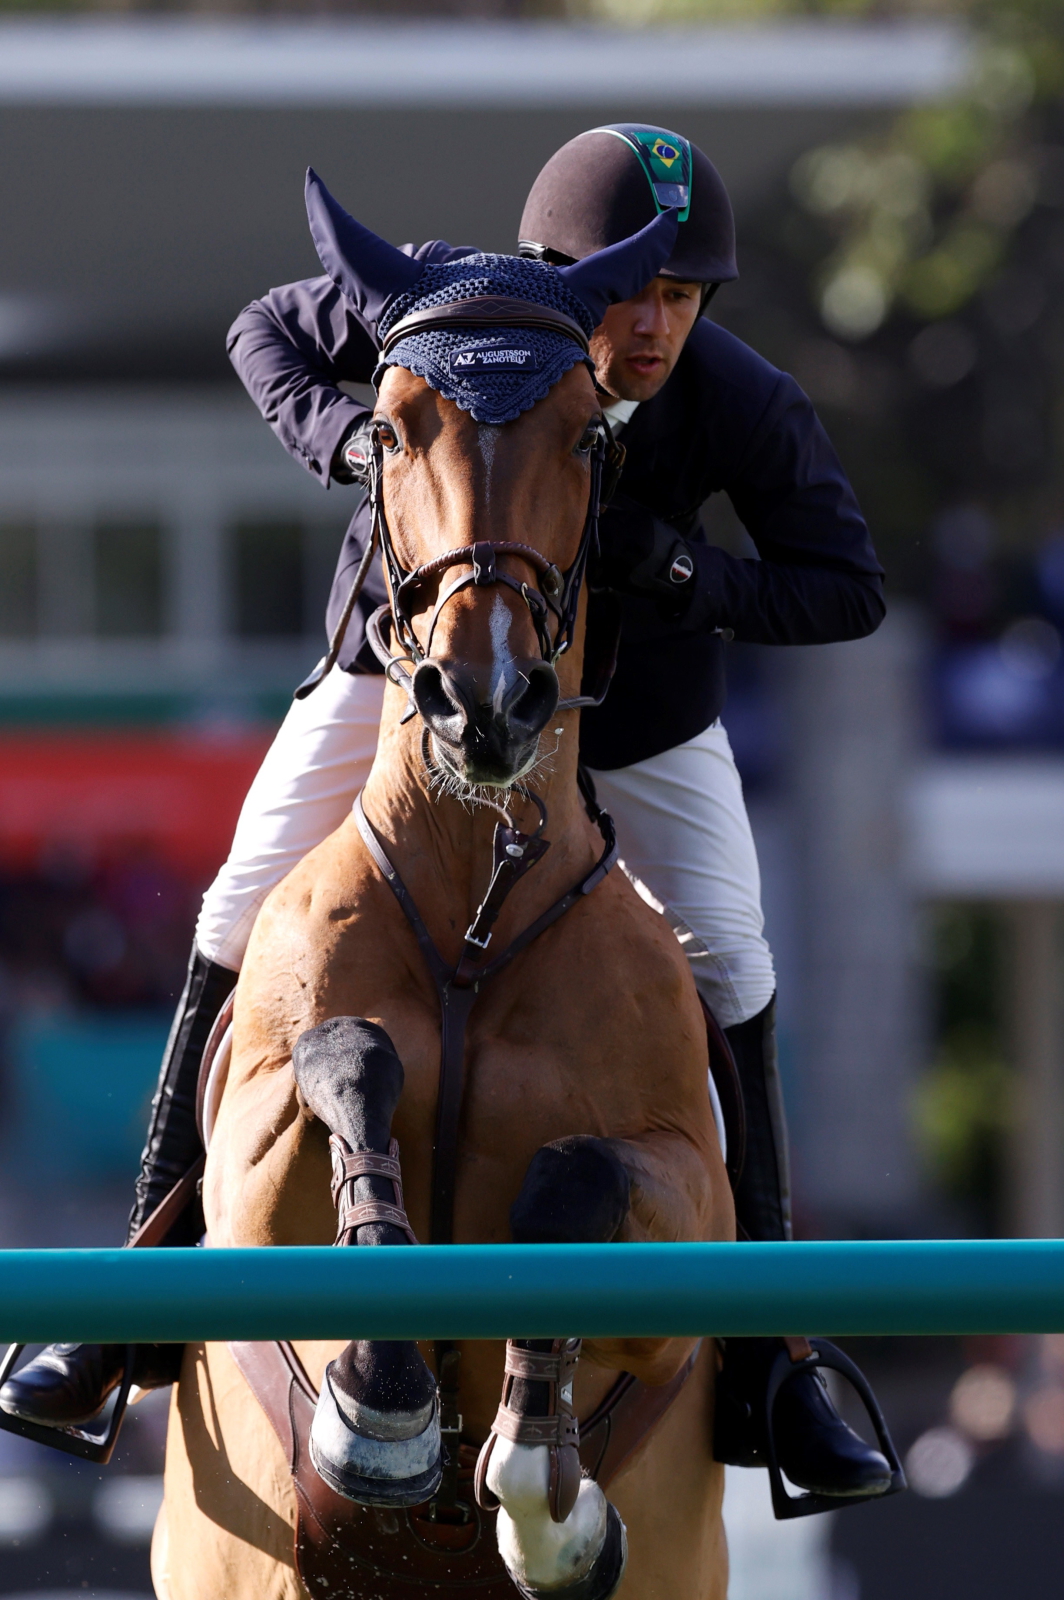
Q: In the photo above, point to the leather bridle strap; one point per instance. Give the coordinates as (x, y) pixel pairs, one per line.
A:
(553, 592)
(486, 311)
(457, 989)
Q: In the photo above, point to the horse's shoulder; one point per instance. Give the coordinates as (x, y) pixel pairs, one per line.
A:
(616, 924)
(334, 882)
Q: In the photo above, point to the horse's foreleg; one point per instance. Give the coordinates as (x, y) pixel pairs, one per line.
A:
(376, 1432)
(557, 1532)
(672, 1198)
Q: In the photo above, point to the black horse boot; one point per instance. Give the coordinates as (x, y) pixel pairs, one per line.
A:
(375, 1438)
(68, 1385)
(815, 1447)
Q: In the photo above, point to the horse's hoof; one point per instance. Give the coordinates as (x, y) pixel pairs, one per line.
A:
(604, 1577)
(376, 1458)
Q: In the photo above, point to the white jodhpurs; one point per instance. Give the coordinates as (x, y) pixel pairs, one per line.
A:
(685, 841)
(302, 792)
(681, 824)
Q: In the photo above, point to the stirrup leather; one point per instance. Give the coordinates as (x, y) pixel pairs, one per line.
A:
(347, 1167)
(560, 1428)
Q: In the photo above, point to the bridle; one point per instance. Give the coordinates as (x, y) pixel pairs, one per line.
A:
(553, 595)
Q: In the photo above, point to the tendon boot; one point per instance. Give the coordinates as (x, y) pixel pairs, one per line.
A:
(375, 1438)
(816, 1449)
(557, 1532)
(68, 1385)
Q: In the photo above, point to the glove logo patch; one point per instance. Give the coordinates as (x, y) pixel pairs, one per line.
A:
(494, 358)
(682, 569)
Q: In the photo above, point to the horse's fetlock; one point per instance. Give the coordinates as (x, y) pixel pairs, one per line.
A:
(552, 1557)
(519, 1476)
(386, 1377)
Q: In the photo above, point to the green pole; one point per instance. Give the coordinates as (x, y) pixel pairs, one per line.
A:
(492, 1291)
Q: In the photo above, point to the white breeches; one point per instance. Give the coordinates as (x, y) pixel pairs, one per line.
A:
(681, 823)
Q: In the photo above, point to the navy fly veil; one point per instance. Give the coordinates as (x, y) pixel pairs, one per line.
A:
(495, 373)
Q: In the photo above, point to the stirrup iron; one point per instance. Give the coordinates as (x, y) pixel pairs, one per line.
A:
(807, 1504)
(97, 1447)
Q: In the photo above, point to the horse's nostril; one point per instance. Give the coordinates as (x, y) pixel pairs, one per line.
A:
(532, 709)
(431, 696)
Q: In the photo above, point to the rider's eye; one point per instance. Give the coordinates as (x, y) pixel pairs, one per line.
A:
(388, 436)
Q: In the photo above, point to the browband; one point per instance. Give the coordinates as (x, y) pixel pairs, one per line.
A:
(486, 311)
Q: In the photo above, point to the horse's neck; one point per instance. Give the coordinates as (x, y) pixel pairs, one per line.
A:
(442, 846)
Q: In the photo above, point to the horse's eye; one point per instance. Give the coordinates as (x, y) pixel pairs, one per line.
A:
(587, 440)
(387, 435)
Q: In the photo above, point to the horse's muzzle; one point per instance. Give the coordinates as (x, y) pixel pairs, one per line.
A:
(486, 732)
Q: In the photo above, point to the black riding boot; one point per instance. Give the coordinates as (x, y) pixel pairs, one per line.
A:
(67, 1385)
(815, 1448)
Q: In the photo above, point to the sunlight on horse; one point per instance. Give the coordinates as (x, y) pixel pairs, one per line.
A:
(594, 1029)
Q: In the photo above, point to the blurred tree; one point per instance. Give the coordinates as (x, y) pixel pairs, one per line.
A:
(912, 280)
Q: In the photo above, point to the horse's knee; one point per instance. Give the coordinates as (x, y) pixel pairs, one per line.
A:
(350, 1076)
(576, 1191)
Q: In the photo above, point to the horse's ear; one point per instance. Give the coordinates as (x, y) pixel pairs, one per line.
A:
(365, 268)
(622, 270)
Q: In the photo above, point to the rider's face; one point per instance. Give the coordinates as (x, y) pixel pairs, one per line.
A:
(637, 343)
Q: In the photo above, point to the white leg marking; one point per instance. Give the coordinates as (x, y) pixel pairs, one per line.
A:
(539, 1553)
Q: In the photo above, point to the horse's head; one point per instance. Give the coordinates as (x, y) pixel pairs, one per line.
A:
(488, 621)
(486, 469)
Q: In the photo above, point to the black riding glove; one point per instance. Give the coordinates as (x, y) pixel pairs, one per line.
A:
(641, 555)
(350, 464)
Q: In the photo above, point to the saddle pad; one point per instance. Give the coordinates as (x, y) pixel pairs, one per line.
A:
(345, 1551)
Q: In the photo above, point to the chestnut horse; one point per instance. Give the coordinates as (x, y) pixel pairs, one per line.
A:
(594, 1029)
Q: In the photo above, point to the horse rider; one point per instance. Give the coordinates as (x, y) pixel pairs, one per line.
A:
(699, 413)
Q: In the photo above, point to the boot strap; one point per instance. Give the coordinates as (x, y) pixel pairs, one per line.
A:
(347, 1167)
(560, 1429)
(543, 1366)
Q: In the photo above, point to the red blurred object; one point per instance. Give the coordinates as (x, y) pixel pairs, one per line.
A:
(177, 793)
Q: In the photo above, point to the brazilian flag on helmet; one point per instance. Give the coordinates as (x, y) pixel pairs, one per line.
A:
(665, 158)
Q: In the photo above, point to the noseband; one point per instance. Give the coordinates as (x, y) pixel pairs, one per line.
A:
(552, 593)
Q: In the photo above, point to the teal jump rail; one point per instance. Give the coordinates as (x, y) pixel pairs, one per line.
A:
(495, 1291)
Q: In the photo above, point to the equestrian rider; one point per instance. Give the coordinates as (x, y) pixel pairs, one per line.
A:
(699, 413)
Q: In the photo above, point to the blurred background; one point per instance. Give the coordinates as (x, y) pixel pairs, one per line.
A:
(898, 177)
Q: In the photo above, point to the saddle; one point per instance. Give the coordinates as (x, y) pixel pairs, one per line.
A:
(345, 1551)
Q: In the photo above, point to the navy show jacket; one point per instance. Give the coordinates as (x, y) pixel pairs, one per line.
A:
(726, 421)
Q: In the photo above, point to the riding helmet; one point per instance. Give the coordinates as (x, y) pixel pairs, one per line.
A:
(606, 184)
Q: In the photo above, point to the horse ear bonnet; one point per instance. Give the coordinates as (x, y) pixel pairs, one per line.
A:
(606, 184)
(494, 373)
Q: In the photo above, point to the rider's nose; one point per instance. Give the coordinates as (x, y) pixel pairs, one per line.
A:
(454, 699)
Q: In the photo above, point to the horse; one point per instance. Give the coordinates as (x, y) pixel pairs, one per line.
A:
(582, 1111)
